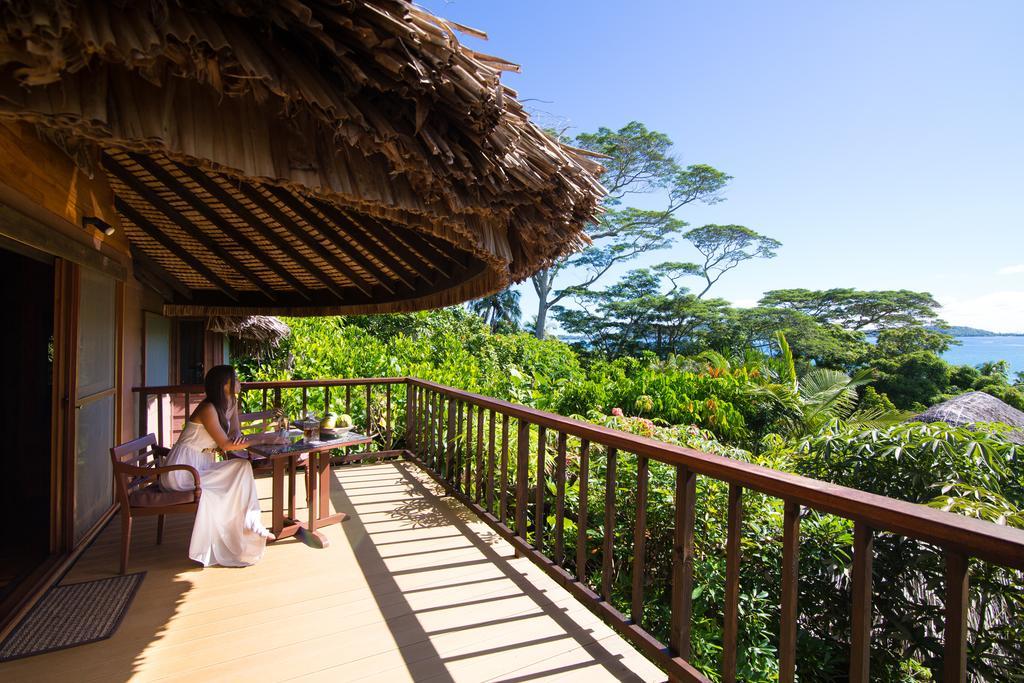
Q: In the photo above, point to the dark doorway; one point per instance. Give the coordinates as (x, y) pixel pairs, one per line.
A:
(191, 334)
(26, 349)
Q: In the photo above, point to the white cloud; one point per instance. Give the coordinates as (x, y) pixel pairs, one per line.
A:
(1011, 270)
(1001, 311)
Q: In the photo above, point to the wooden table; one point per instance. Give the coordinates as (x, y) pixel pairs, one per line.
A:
(318, 484)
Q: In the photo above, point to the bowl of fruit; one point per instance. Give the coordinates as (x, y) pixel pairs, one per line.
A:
(335, 425)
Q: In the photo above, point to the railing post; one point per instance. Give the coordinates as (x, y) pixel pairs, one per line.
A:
(503, 494)
(639, 542)
(730, 639)
(860, 635)
(467, 450)
(581, 517)
(790, 577)
(682, 561)
(450, 444)
(387, 419)
(522, 475)
(954, 658)
(491, 440)
(608, 547)
(410, 416)
(560, 500)
(538, 503)
(478, 494)
(143, 413)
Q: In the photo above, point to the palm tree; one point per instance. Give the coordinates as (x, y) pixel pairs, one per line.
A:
(499, 309)
(810, 401)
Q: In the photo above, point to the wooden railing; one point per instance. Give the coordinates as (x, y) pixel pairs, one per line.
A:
(479, 450)
(371, 402)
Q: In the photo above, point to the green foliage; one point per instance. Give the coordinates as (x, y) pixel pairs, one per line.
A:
(912, 381)
(976, 473)
(639, 162)
(857, 309)
(774, 407)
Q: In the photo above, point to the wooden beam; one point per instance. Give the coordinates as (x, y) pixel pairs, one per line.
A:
(185, 224)
(142, 262)
(428, 252)
(402, 250)
(360, 235)
(218, 221)
(27, 230)
(275, 212)
(126, 210)
(256, 223)
(300, 209)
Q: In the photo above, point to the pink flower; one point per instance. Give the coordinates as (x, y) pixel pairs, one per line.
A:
(617, 412)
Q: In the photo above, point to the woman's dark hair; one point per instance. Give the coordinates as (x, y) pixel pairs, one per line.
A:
(216, 378)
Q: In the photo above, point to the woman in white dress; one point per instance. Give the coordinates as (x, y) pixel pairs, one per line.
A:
(227, 530)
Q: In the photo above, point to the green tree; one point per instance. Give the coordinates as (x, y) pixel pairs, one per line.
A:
(724, 247)
(856, 309)
(897, 341)
(500, 311)
(639, 161)
(912, 381)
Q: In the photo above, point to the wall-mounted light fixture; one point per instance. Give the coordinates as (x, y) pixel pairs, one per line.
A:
(98, 223)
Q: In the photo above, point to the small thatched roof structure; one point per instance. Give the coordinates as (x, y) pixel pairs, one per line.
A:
(303, 157)
(976, 407)
(252, 335)
(262, 329)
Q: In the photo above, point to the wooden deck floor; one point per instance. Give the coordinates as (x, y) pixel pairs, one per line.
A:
(412, 587)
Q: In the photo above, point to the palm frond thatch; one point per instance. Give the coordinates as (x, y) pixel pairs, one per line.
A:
(976, 407)
(368, 117)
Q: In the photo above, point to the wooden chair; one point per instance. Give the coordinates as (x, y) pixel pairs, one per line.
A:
(136, 468)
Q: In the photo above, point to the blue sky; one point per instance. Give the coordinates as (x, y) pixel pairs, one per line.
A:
(881, 142)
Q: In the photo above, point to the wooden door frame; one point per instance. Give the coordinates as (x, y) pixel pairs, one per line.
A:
(63, 549)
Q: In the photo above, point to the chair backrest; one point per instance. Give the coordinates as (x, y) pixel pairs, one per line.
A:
(143, 453)
(256, 422)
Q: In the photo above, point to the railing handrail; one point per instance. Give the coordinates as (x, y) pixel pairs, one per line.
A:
(277, 384)
(985, 540)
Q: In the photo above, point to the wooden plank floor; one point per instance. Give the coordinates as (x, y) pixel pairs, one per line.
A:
(412, 587)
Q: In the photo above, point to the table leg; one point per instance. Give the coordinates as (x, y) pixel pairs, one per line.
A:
(292, 467)
(325, 485)
(278, 497)
(311, 483)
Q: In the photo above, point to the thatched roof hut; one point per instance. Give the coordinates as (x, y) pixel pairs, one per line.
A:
(262, 329)
(976, 407)
(252, 335)
(305, 157)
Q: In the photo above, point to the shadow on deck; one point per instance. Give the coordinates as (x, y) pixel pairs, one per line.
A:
(412, 587)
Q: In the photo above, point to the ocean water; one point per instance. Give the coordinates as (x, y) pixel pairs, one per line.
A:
(977, 350)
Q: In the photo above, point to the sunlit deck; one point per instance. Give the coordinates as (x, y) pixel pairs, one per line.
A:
(412, 587)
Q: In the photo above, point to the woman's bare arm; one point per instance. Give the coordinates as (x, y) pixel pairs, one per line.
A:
(207, 415)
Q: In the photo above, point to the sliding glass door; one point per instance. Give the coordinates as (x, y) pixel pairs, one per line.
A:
(95, 398)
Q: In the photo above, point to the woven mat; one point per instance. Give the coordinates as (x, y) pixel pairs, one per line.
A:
(72, 615)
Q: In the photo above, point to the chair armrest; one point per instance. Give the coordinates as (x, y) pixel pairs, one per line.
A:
(154, 472)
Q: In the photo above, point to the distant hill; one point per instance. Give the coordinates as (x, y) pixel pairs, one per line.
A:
(961, 331)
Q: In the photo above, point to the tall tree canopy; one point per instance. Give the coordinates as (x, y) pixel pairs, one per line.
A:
(856, 309)
(640, 161)
(724, 247)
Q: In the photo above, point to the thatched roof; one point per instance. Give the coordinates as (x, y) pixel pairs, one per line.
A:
(261, 329)
(302, 157)
(976, 407)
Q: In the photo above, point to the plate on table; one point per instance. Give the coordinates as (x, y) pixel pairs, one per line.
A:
(334, 433)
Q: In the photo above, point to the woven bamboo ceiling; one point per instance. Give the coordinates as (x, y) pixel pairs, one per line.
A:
(298, 157)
